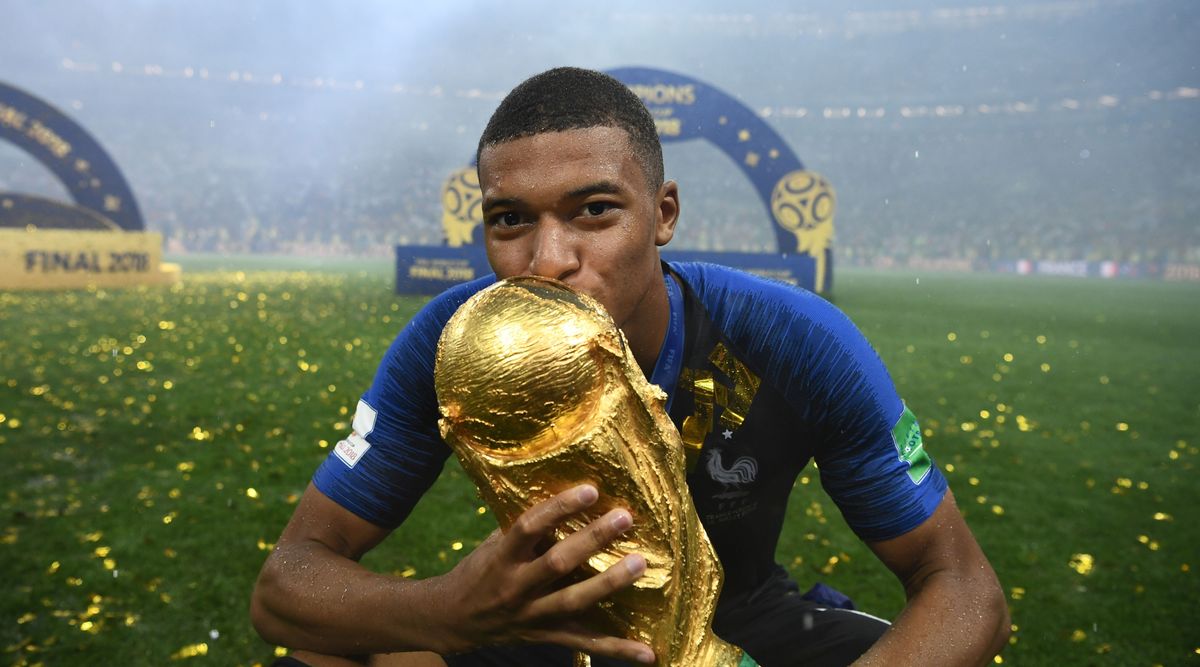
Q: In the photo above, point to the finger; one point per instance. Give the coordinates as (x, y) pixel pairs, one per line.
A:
(539, 520)
(593, 643)
(584, 595)
(567, 555)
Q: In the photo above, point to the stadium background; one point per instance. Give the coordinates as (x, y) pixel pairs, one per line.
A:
(269, 142)
(1038, 131)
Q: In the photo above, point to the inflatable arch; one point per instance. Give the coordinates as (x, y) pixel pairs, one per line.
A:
(799, 204)
(71, 154)
(99, 238)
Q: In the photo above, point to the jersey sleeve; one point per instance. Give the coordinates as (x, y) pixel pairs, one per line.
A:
(394, 452)
(868, 446)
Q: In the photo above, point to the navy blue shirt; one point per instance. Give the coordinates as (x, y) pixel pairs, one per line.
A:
(762, 377)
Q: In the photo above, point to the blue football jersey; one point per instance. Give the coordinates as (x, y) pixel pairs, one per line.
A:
(761, 378)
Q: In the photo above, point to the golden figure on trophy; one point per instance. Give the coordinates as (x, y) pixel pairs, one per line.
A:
(538, 392)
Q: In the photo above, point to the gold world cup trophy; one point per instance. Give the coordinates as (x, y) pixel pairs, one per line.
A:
(539, 392)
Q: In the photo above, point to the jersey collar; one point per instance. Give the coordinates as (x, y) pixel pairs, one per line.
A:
(670, 357)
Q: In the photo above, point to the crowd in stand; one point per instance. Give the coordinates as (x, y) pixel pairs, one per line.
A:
(234, 168)
(1113, 188)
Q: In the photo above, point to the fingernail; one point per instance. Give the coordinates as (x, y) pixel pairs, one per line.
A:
(636, 564)
(587, 494)
(621, 520)
(646, 657)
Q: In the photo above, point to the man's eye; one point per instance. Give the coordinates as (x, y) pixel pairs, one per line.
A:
(508, 219)
(597, 208)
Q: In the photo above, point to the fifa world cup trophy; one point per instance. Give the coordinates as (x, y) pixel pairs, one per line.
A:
(539, 392)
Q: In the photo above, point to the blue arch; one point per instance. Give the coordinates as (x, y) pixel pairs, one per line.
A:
(798, 204)
(71, 154)
(685, 109)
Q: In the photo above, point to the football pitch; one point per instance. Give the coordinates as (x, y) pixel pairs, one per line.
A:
(153, 442)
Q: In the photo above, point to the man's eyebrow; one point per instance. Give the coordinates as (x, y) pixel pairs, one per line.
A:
(508, 202)
(597, 188)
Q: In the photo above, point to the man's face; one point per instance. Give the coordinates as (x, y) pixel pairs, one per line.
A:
(575, 206)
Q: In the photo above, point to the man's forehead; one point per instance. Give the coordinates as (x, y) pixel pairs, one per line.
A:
(565, 160)
(612, 131)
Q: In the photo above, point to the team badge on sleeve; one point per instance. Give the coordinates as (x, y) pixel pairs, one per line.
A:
(353, 447)
(906, 435)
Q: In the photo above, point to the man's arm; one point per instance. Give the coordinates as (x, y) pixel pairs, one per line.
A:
(313, 594)
(956, 613)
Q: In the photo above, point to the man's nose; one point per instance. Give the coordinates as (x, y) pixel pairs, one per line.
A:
(554, 252)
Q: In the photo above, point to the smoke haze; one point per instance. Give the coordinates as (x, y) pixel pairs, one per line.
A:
(1029, 129)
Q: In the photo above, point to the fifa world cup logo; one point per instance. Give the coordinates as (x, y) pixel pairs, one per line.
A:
(538, 392)
(803, 203)
(462, 206)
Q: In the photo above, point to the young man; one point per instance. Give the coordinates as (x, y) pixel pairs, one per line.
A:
(763, 377)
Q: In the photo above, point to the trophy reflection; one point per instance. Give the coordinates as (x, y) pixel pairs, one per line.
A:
(538, 392)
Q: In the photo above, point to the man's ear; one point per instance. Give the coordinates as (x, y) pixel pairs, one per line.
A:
(667, 213)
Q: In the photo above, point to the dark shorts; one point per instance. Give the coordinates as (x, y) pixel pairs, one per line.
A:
(774, 624)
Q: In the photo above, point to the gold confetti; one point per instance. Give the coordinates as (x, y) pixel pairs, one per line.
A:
(1082, 563)
(1078, 636)
(191, 651)
(251, 492)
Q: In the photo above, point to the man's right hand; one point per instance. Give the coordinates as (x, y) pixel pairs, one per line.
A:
(312, 593)
(509, 591)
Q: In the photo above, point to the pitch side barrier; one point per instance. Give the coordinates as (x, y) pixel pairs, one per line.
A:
(799, 204)
(1171, 271)
(1107, 269)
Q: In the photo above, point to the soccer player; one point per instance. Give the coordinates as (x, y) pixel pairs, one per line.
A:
(772, 376)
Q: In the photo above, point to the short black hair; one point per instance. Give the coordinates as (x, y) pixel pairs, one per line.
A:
(571, 98)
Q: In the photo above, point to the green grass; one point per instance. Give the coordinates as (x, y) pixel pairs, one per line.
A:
(153, 443)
